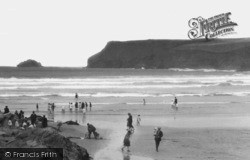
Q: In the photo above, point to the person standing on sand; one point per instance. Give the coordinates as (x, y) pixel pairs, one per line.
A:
(83, 105)
(175, 101)
(138, 122)
(21, 114)
(16, 113)
(86, 105)
(76, 105)
(144, 102)
(130, 121)
(37, 107)
(6, 110)
(158, 135)
(76, 96)
(126, 141)
(44, 122)
(90, 106)
(84, 111)
(33, 118)
(63, 108)
(70, 106)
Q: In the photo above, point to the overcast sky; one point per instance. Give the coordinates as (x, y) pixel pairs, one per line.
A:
(67, 33)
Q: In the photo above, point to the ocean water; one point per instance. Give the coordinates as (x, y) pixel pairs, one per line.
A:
(23, 88)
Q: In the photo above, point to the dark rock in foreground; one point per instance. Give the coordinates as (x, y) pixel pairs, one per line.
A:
(29, 63)
(196, 54)
(38, 138)
(44, 138)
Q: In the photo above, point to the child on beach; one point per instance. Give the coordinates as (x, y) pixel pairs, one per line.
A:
(10, 123)
(138, 120)
(63, 108)
(24, 125)
(70, 106)
(175, 101)
(17, 124)
(126, 141)
(76, 96)
(84, 111)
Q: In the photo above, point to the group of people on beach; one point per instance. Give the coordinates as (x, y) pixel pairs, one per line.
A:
(79, 105)
(84, 106)
(158, 134)
(19, 121)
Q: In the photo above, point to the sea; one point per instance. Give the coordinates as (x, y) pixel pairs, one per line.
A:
(23, 88)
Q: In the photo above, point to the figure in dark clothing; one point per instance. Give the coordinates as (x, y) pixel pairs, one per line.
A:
(83, 105)
(33, 118)
(6, 110)
(76, 96)
(86, 105)
(158, 134)
(90, 106)
(130, 121)
(126, 141)
(44, 122)
(76, 105)
(53, 107)
(37, 107)
(92, 129)
(175, 101)
(16, 113)
(21, 114)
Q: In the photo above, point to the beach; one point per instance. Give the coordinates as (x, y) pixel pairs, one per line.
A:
(212, 121)
(197, 135)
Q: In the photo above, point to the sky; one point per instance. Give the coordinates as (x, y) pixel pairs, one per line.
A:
(66, 33)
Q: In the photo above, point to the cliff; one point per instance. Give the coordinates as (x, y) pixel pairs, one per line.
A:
(29, 63)
(216, 54)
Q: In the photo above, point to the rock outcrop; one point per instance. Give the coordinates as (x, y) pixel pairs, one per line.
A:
(29, 63)
(196, 54)
(43, 138)
(38, 138)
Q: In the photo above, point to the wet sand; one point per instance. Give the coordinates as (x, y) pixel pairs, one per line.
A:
(196, 132)
(208, 129)
(193, 143)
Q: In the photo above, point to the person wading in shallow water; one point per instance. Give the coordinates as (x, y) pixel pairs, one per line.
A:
(76, 96)
(37, 107)
(158, 135)
(175, 101)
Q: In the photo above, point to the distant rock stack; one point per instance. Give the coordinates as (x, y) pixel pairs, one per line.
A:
(29, 63)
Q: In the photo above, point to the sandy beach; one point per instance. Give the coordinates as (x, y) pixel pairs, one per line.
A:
(196, 132)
